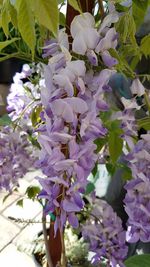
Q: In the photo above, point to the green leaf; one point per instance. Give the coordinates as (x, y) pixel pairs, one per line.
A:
(95, 169)
(75, 5)
(138, 261)
(126, 172)
(8, 42)
(123, 65)
(115, 127)
(33, 140)
(5, 19)
(139, 9)
(100, 142)
(89, 188)
(144, 123)
(115, 144)
(13, 14)
(32, 191)
(62, 19)
(127, 28)
(2, 58)
(5, 198)
(110, 168)
(26, 23)
(35, 115)
(5, 120)
(20, 203)
(145, 45)
(60, 2)
(46, 12)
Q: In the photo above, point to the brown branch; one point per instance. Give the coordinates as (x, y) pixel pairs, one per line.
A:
(48, 256)
(101, 8)
(63, 252)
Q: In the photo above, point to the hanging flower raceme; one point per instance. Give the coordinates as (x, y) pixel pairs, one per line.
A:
(137, 200)
(88, 41)
(105, 235)
(15, 157)
(72, 99)
(24, 95)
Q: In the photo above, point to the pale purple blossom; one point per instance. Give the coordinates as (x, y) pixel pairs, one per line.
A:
(54, 46)
(137, 199)
(16, 157)
(23, 96)
(72, 99)
(105, 235)
(85, 36)
(137, 87)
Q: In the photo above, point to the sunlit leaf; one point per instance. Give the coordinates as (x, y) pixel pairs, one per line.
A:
(26, 23)
(145, 45)
(35, 115)
(13, 14)
(127, 28)
(5, 19)
(46, 12)
(75, 5)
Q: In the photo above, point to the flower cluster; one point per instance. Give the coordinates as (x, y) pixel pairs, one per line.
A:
(23, 96)
(105, 235)
(73, 91)
(72, 98)
(15, 157)
(127, 117)
(137, 200)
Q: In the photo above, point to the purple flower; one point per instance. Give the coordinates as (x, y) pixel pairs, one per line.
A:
(105, 235)
(92, 57)
(108, 60)
(72, 100)
(137, 199)
(23, 97)
(109, 41)
(53, 47)
(84, 35)
(16, 157)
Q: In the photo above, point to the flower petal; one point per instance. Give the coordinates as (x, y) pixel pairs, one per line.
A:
(73, 220)
(137, 87)
(70, 206)
(80, 22)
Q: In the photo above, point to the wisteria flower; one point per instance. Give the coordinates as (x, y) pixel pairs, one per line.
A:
(105, 235)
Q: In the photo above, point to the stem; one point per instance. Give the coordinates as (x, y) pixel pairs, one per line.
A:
(48, 256)
(23, 112)
(63, 252)
(101, 8)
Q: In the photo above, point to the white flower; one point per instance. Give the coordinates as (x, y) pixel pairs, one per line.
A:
(112, 17)
(129, 103)
(137, 88)
(81, 22)
(83, 32)
(109, 41)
